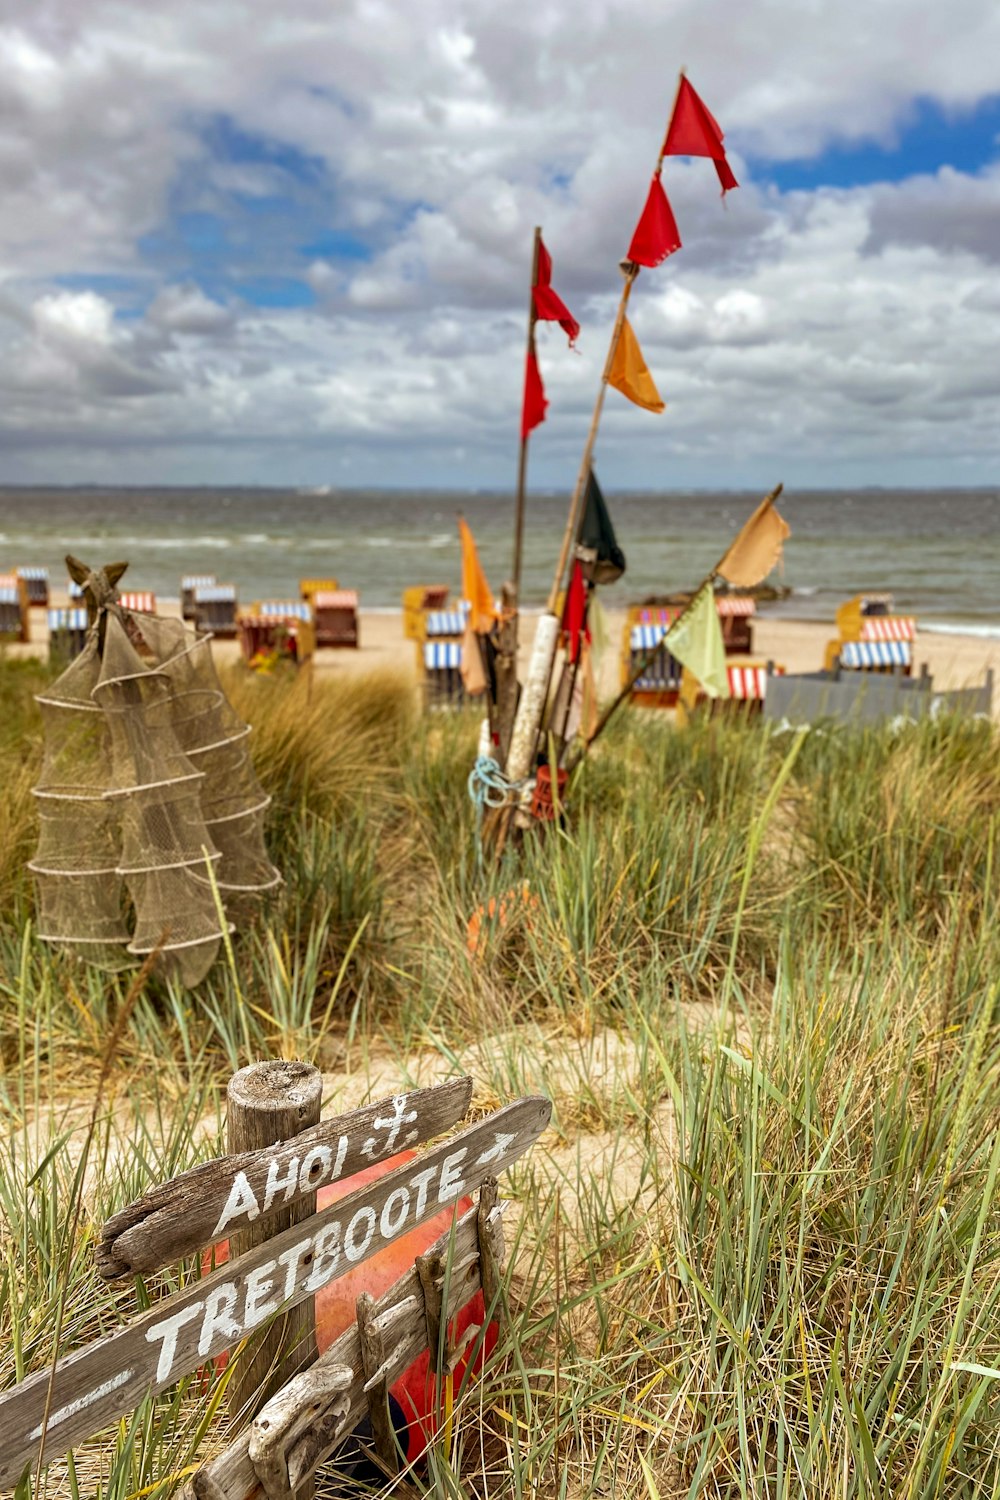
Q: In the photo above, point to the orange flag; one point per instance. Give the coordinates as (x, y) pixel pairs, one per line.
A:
(474, 586)
(757, 549)
(629, 372)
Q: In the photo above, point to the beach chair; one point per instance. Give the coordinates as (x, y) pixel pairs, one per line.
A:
(869, 619)
(36, 581)
(189, 583)
(747, 680)
(67, 633)
(645, 627)
(736, 612)
(14, 621)
(442, 676)
(277, 627)
(335, 615)
(215, 608)
(416, 603)
(876, 656)
(310, 587)
(139, 601)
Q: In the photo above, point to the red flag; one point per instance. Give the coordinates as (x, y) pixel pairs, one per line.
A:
(533, 409)
(693, 131)
(656, 234)
(549, 307)
(575, 612)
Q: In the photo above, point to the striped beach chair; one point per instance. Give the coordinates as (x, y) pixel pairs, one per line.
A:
(736, 612)
(310, 587)
(282, 627)
(14, 621)
(417, 601)
(443, 685)
(189, 584)
(869, 620)
(335, 614)
(877, 656)
(645, 627)
(214, 608)
(139, 601)
(36, 581)
(67, 633)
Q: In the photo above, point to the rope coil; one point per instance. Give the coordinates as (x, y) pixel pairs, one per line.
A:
(488, 786)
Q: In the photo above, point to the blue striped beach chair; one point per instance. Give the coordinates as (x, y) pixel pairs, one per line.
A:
(443, 685)
(67, 632)
(36, 581)
(14, 623)
(877, 656)
(215, 608)
(189, 583)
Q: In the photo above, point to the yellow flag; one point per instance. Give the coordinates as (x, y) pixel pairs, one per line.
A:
(629, 372)
(757, 549)
(695, 639)
(474, 586)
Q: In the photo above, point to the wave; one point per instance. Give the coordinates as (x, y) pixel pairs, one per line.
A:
(947, 627)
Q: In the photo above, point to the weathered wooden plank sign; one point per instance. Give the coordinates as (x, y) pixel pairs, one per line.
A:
(96, 1385)
(197, 1208)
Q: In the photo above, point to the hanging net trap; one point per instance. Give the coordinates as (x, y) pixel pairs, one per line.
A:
(150, 813)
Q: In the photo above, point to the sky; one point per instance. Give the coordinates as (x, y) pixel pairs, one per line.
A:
(248, 243)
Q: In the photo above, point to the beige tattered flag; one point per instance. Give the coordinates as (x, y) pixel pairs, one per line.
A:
(757, 549)
(473, 675)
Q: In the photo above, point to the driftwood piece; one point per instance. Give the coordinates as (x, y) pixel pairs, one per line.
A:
(199, 1207)
(321, 1391)
(371, 1339)
(313, 1425)
(268, 1103)
(97, 1384)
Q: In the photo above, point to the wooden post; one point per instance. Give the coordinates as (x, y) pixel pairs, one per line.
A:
(268, 1103)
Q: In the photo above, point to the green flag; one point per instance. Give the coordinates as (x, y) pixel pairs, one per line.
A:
(597, 536)
(695, 639)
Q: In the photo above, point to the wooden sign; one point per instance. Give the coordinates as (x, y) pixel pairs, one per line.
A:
(200, 1207)
(96, 1385)
(303, 1424)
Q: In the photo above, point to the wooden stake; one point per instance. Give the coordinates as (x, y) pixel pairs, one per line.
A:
(268, 1102)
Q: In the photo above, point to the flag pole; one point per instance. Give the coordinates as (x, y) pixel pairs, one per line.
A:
(645, 660)
(531, 708)
(522, 466)
(630, 270)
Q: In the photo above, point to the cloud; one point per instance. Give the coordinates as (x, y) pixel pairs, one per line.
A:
(391, 160)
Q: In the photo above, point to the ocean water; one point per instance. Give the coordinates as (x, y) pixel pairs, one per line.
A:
(937, 551)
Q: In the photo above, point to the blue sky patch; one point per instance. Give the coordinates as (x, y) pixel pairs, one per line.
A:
(929, 138)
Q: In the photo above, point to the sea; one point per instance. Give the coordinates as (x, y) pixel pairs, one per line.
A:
(936, 551)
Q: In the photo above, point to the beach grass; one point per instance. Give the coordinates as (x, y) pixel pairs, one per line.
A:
(758, 1251)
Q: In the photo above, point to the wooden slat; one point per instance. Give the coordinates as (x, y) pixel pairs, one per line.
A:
(94, 1386)
(210, 1201)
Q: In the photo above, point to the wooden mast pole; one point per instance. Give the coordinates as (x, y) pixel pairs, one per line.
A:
(522, 465)
(531, 708)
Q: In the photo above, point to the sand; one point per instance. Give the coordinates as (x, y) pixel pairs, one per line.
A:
(954, 660)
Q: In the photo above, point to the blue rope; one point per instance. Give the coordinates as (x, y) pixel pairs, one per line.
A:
(488, 787)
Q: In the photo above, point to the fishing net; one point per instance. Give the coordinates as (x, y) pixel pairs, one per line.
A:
(150, 813)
